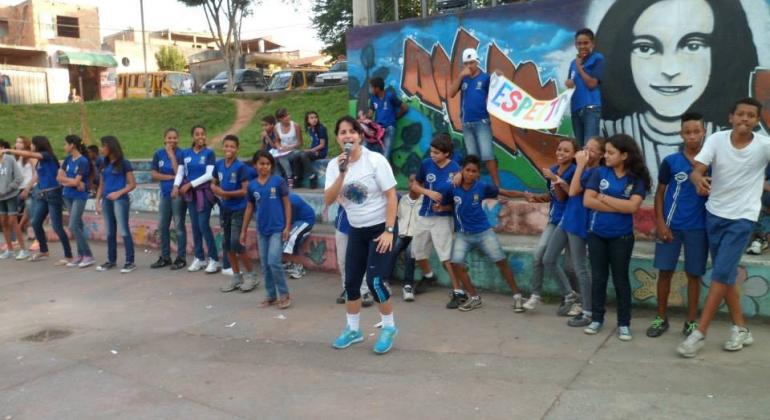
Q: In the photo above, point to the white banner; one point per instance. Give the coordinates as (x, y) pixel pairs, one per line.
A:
(515, 106)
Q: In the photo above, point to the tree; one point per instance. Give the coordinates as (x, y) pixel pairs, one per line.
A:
(170, 58)
(331, 19)
(224, 18)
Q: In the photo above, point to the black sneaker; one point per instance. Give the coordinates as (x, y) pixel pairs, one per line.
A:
(658, 326)
(106, 266)
(689, 327)
(422, 285)
(457, 300)
(179, 263)
(367, 300)
(580, 320)
(342, 298)
(162, 262)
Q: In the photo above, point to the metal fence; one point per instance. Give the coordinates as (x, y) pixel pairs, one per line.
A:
(27, 86)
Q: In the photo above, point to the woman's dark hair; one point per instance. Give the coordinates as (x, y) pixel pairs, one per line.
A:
(4, 144)
(115, 152)
(307, 119)
(192, 131)
(634, 161)
(170, 130)
(263, 154)
(350, 120)
(733, 57)
(470, 160)
(81, 148)
(280, 113)
(232, 138)
(585, 31)
(269, 119)
(573, 142)
(442, 142)
(42, 144)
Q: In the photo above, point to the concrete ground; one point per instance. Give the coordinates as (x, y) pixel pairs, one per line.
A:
(158, 344)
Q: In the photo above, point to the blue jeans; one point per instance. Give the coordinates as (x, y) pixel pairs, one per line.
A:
(76, 207)
(201, 230)
(612, 254)
(116, 218)
(727, 240)
(270, 252)
(172, 208)
(477, 136)
(585, 123)
(387, 140)
(50, 203)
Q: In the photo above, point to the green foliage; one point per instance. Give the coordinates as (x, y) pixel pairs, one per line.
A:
(331, 18)
(170, 58)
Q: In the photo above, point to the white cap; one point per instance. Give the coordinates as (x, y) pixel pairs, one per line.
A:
(470, 54)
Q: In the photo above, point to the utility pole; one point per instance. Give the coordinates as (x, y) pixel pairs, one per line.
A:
(144, 52)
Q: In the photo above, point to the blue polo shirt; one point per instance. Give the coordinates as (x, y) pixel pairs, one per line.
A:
(301, 210)
(251, 171)
(267, 199)
(162, 164)
(316, 135)
(230, 179)
(385, 108)
(468, 211)
(73, 168)
(683, 208)
(575, 217)
(583, 96)
(47, 169)
(613, 224)
(435, 179)
(115, 177)
(195, 162)
(557, 207)
(341, 222)
(474, 97)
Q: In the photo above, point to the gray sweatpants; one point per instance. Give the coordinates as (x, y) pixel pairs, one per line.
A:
(576, 257)
(550, 246)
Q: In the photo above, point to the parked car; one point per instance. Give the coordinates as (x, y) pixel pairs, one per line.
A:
(161, 83)
(245, 80)
(337, 75)
(294, 79)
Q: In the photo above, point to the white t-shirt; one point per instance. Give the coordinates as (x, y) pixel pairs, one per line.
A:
(737, 175)
(363, 189)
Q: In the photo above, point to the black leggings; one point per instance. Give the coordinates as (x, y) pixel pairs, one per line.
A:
(362, 257)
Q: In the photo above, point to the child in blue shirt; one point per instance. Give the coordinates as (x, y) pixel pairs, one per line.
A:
(585, 75)
(680, 219)
(385, 108)
(614, 193)
(473, 231)
(303, 220)
(319, 146)
(268, 195)
(75, 175)
(165, 163)
(230, 185)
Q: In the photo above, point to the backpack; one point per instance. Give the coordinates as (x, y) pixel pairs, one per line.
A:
(373, 132)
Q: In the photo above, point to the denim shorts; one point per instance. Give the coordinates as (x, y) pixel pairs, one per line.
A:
(9, 207)
(487, 241)
(695, 252)
(477, 136)
(727, 240)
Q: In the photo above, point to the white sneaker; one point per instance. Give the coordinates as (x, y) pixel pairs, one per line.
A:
(739, 337)
(227, 271)
(212, 267)
(8, 254)
(575, 310)
(755, 248)
(624, 334)
(297, 271)
(22, 255)
(593, 328)
(691, 345)
(532, 302)
(408, 293)
(197, 265)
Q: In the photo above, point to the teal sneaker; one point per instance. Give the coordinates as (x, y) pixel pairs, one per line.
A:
(347, 338)
(385, 341)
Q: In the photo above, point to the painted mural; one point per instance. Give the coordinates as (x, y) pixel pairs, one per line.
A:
(664, 57)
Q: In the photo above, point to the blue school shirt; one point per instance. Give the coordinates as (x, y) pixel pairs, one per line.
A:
(683, 208)
(435, 179)
(341, 222)
(47, 169)
(268, 204)
(73, 168)
(474, 97)
(315, 139)
(195, 163)
(575, 217)
(583, 97)
(301, 210)
(469, 214)
(385, 109)
(162, 164)
(613, 224)
(251, 172)
(230, 179)
(115, 177)
(557, 207)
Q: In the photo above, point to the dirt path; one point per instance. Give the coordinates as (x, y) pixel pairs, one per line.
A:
(244, 112)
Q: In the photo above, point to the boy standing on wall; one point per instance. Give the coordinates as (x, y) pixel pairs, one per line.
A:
(385, 108)
(585, 75)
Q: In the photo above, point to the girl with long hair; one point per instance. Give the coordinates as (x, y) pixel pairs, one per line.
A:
(165, 163)
(76, 175)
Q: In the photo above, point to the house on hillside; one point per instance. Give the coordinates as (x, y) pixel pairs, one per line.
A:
(127, 47)
(260, 53)
(48, 48)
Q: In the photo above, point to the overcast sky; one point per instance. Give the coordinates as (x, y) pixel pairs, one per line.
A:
(288, 26)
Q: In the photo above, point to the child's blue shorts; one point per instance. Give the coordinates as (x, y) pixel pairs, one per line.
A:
(695, 252)
(728, 240)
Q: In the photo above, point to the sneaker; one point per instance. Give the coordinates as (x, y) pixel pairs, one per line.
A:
(691, 345)
(755, 248)
(127, 268)
(518, 303)
(739, 337)
(385, 340)
(471, 304)
(624, 333)
(106, 266)
(74, 262)
(689, 327)
(212, 267)
(7, 254)
(251, 283)
(162, 262)
(532, 302)
(457, 300)
(235, 283)
(23, 254)
(179, 263)
(408, 293)
(86, 262)
(422, 285)
(296, 271)
(227, 271)
(658, 326)
(347, 338)
(342, 298)
(575, 310)
(367, 300)
(580, 320)
(197, 265)
(567, 303)
(593, 328)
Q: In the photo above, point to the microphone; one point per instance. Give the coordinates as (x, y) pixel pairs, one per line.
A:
(346, 151)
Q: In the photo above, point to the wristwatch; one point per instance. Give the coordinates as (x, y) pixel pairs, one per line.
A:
(390, 229)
